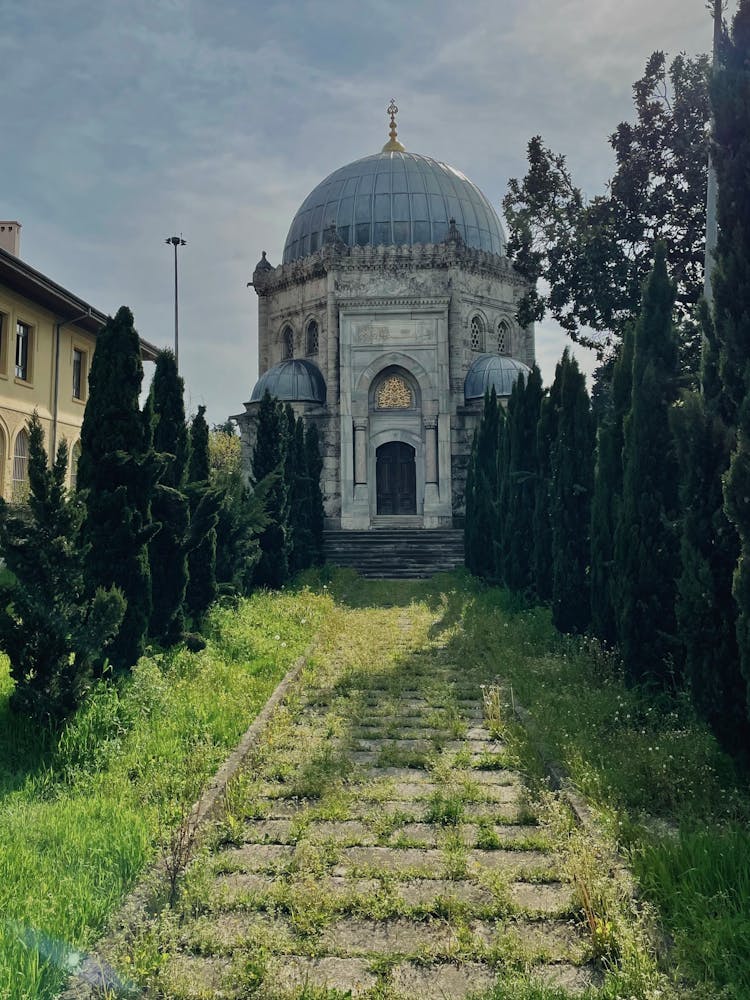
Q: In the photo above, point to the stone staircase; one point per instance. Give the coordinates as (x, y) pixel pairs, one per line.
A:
(396, 553)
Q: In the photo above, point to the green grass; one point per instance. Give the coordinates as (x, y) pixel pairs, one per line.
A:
(82, 815)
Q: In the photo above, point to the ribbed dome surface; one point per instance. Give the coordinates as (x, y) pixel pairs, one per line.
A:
(296, 380)
(394, 198)
(493, 369)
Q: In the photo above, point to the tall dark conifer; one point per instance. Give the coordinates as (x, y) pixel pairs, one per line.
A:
(168, 549)
(484, 532)
(731, 289)
(542, 527)
(314, 462)
(201, 588)
(269, 457)
(608, 495)
(646, 540)
(523, 420)
(118, 471)
(570, 494)
(501, 501)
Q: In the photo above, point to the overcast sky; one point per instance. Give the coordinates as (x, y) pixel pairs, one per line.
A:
(126, 121)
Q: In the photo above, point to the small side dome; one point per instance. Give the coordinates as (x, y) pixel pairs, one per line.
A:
(493, 369)
(264, 264)
(294, 381)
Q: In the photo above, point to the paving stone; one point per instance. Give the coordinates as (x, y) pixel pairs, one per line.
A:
(550, 897)
(255, 857)
(232, 887)
(391, 859)
(387, 937)
(441, 982)
(194, 978)
(510, 861)
(425, 892)
(282, 808)
(347, 975)
(226, 931)
(573, 978)
(555, 941)
(478, 734)
(339, 831)
(510, 810)
(382, 743)
(414, 775)
(411, 790)
(273, 831)
(495, 777)
(483, 792)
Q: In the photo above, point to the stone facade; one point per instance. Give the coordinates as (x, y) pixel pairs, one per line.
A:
(417, 315)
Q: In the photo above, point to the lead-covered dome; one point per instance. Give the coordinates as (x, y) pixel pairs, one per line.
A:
(493, 369)
(394, 198)
(294, 381)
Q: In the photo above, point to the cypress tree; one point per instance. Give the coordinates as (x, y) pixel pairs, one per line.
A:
(470, 508)
(269, 459)
(314, 462)
(484, 531)
(118, 471)
(501, 500)
(523, 419)
(570, 491)
(646, 542)
(168, 549)
(50, 629)
(542, 527)
(731, 289)
(608, 495)
(201, 589)
(299, 502)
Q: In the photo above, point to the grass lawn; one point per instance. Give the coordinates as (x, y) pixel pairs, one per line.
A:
(82, 815)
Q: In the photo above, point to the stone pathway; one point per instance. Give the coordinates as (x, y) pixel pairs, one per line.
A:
(383, 845)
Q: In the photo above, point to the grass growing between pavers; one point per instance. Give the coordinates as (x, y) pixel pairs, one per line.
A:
(83, 813)
(382, 842)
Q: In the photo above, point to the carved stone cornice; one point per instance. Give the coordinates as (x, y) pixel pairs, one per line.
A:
(337, 257)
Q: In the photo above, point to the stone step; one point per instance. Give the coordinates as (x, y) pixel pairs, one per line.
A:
(389, 553)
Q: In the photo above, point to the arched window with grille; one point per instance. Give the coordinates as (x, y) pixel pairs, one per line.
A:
(477, 334)
(313, 337)
(75, 456)
(503, 337)
(21, 468)
(287, 343)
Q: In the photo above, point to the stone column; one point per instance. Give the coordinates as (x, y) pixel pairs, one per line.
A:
(360, 453)
(430, 458)
(431, 491)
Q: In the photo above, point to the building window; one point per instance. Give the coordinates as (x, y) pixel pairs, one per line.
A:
(287, 344)
(313, 337)
(394, 394)
(79, 373)
(477, 334)
(21, 468)
(503, 338)
(23, 351)
(75, 456)
(3, 342)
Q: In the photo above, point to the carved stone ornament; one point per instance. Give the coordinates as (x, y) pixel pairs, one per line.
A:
(394, 394)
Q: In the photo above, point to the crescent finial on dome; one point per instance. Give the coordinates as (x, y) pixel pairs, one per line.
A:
(393, 145)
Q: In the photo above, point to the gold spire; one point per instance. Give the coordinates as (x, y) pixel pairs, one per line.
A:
(393, 145)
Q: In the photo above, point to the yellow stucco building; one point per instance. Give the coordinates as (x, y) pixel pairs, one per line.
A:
(47, 341)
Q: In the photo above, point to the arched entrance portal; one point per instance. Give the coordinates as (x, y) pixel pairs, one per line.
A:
(396, 478)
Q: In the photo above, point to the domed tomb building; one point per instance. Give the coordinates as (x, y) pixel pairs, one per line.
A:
(392, 312)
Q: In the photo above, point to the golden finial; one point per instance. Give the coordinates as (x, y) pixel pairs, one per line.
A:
(393, 145)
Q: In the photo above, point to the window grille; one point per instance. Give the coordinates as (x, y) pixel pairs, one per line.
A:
(503, 338)
(477, 332)
(313, 337)
(287, 338)
(21, 468)
(23, 342)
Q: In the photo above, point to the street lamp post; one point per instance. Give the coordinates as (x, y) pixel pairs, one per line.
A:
(176, 241)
